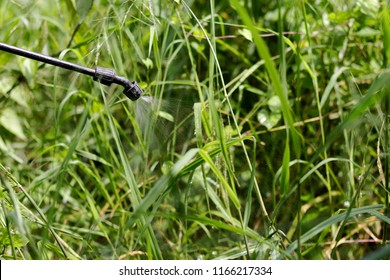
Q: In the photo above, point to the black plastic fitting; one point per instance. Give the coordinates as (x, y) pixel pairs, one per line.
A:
(105, 76)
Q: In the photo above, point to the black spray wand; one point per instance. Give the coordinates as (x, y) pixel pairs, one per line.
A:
(103, 75)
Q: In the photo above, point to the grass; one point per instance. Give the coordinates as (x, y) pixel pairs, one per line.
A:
(262, 133)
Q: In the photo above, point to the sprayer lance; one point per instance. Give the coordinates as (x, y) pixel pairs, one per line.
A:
(105, 76)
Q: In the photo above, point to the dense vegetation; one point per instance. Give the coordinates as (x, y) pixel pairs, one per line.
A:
(263, 132)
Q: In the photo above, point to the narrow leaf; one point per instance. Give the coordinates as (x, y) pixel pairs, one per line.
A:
(83, 7)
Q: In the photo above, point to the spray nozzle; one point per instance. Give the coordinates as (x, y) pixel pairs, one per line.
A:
(103, 75)
(107, 76)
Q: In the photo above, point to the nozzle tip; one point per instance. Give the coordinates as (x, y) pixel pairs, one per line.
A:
(133, 91)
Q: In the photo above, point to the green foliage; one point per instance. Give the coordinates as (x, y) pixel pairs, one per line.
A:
(262, 133)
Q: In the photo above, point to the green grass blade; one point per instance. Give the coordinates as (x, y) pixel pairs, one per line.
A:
(331, 85)
(231, 192)
(386, 58)
(331, 221)
(161, 186)
(380, 254)
(248, 205)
